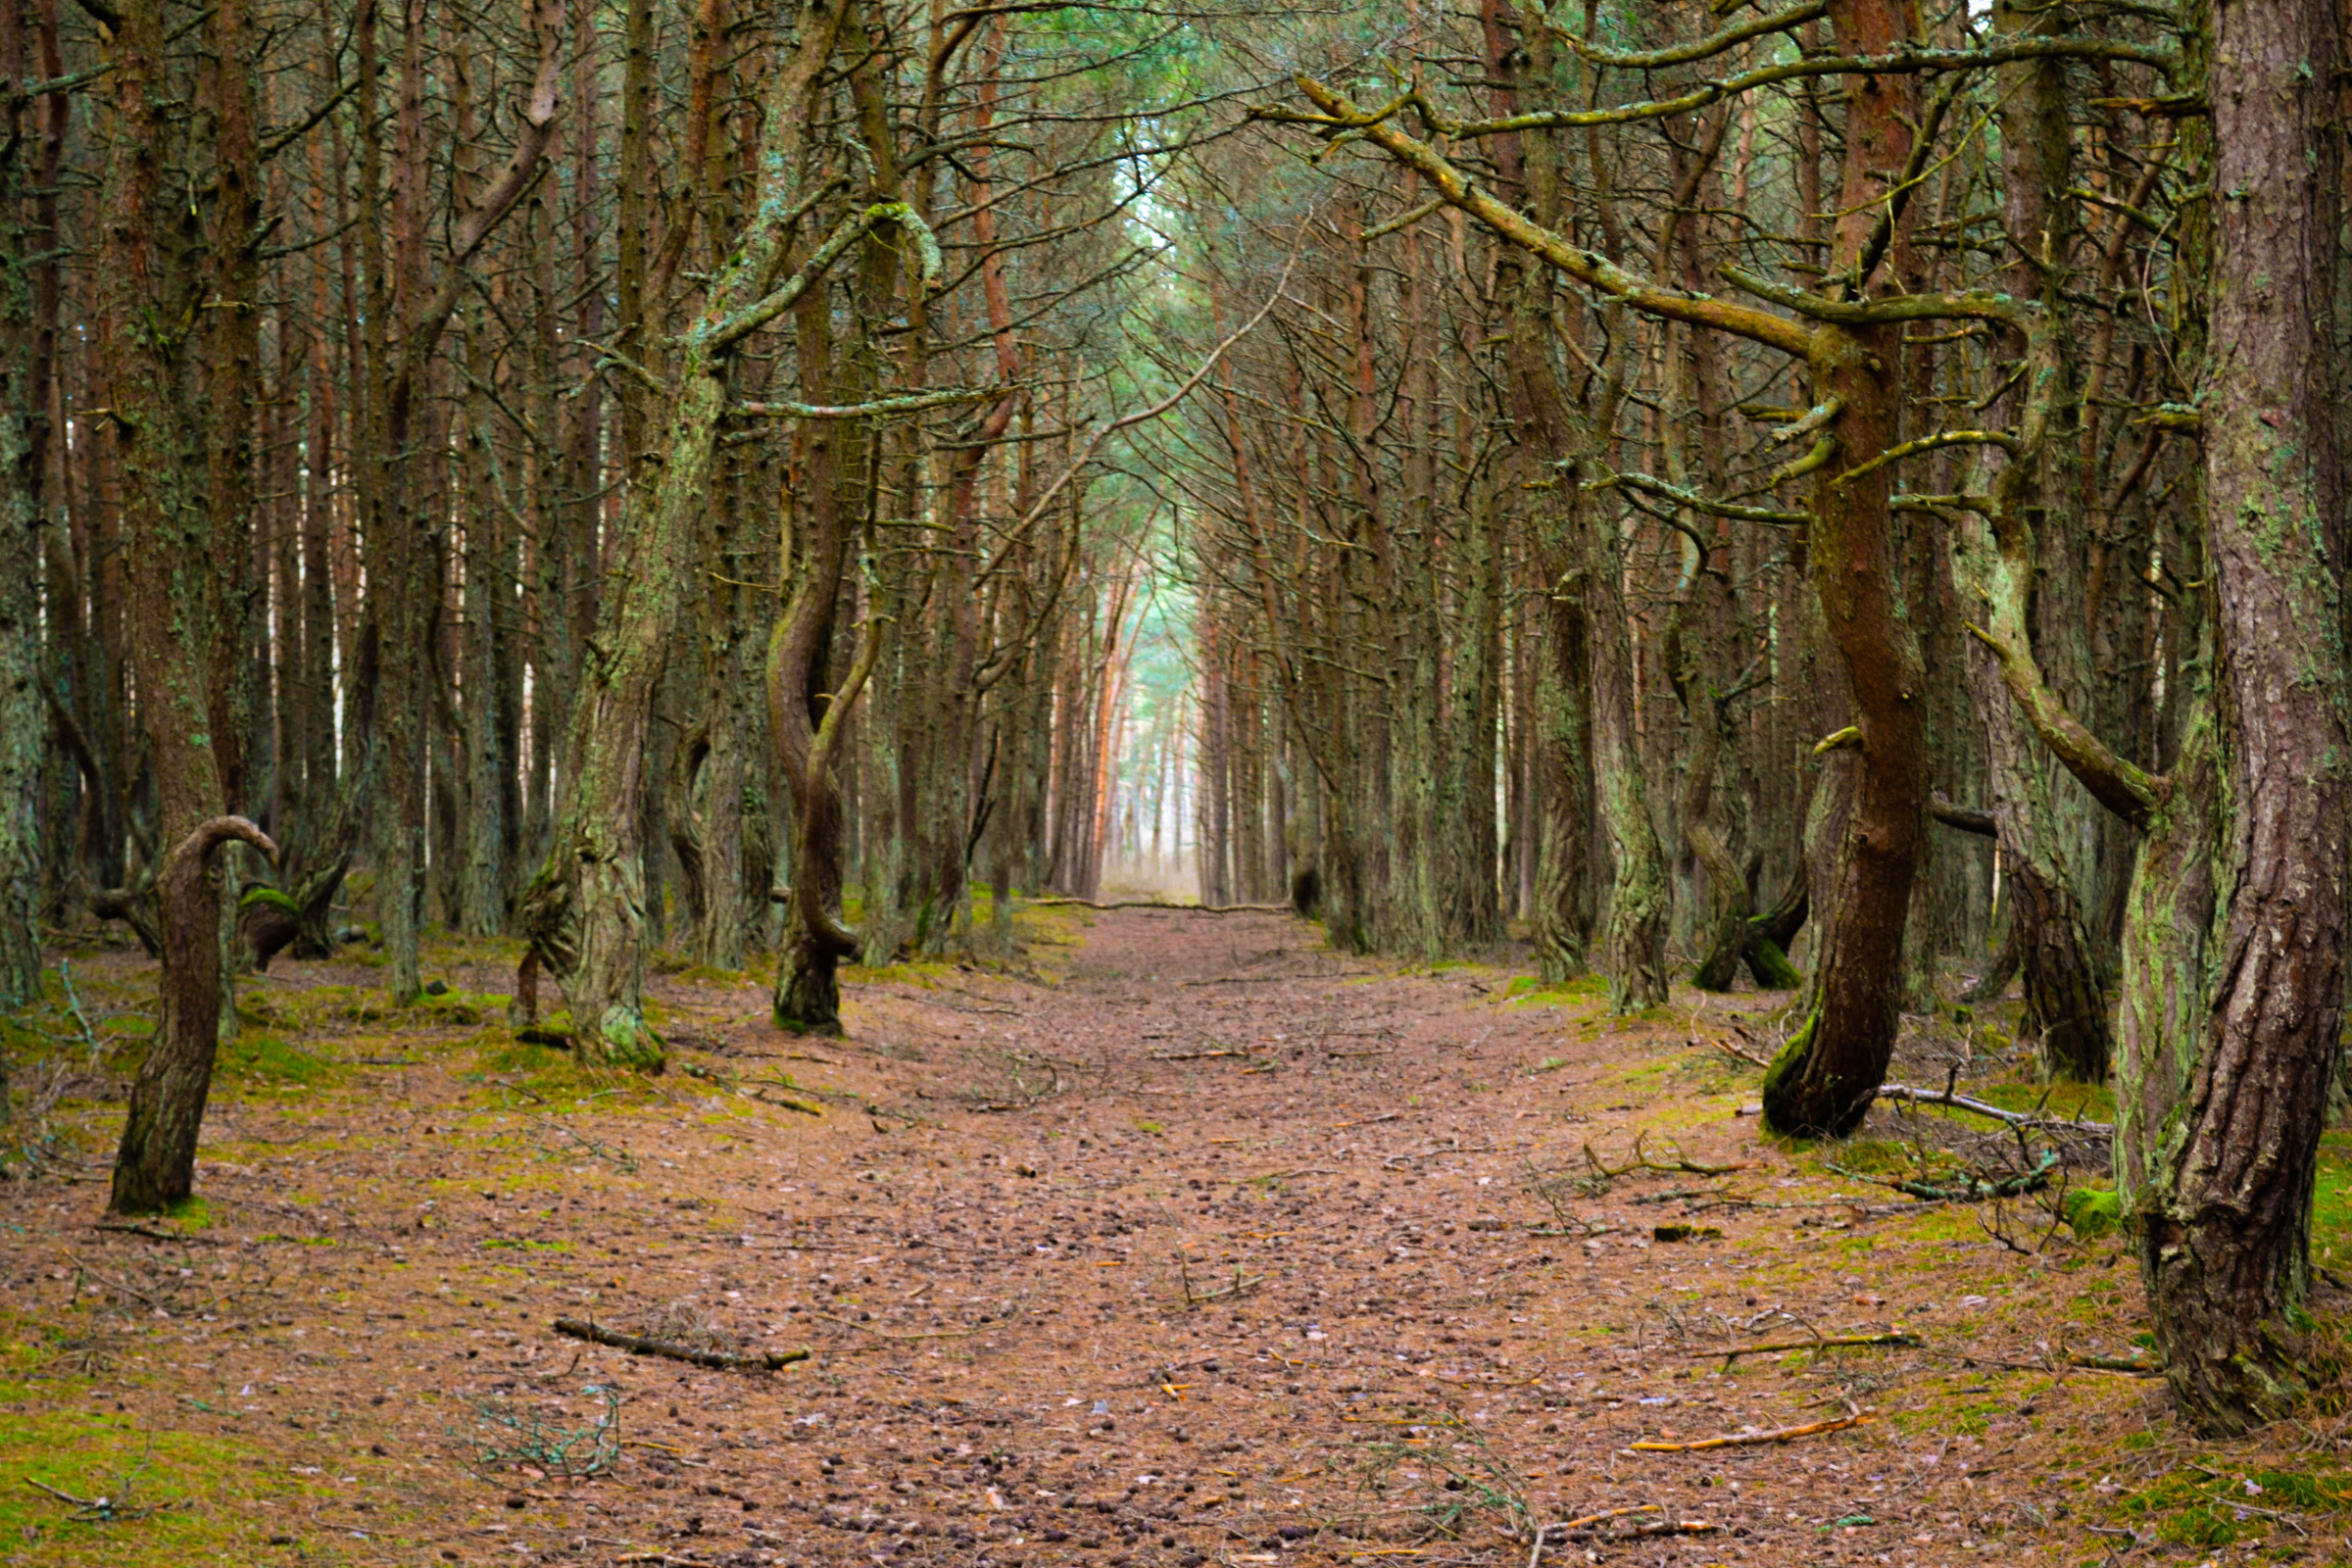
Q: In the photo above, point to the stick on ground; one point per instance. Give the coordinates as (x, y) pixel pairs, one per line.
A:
(1739, 1440)
(638, 1345)
(1828, 1341)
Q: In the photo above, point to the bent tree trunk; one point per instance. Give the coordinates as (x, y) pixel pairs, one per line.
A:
(808, 994)
(2225, 1243)
(807, 997)
(1633, 940)
(584, 912)
(156, 1165)
(1723, 929)
(1824, 1080)
(2066, 1006)
(1765, 947)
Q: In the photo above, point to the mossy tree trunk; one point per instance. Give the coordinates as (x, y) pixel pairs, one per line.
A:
(584, 913)
(22, 402)
(2225, 1211)
(157, 263)
(1824, 1080)
(155, 1166)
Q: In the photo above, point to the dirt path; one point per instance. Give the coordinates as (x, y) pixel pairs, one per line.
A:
(1203, 1247)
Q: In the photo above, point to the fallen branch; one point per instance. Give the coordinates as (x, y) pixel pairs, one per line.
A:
(1195, 1055)
(1973, 1188)
(1740, 1440)
(1830, 1342)
(1978, 1107)
(1569, 1529)
(1730, 1049)
(638, 1345)
(1160, 903)
(1642, 1161)
(787, 1101)
(1591, 1519)
(1667, 1527)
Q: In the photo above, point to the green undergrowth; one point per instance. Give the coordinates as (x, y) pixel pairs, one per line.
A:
(924, 972)
(2090, 1102)
(551, 1076)
(319, 1007)
(2331, 1204)
(173, 1497)
(1532, 991)
(2198, 1506)
(264, 1062)
(206, 1491)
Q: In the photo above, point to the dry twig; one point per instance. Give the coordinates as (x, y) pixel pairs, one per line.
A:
(638, 1345)
(1740, 1440)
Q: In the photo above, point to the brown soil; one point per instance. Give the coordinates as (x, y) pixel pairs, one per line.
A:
(1200, 1245)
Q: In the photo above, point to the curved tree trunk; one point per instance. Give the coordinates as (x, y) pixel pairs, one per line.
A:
(1824, 1080)
(1562, 922)
(1633, 938)
(584, 912)
(1765, 948)
(1723, 929)
(155, 1166)
(2051, 943)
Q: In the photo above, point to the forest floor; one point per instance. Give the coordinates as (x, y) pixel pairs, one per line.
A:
(1179, 1241)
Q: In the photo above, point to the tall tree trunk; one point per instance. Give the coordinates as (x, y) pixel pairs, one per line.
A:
(2226, 1213)
(23, 406)
(584, 913)
(1824, 1080)
(153, 270)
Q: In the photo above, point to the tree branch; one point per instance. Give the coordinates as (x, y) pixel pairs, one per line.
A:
(1587, 267)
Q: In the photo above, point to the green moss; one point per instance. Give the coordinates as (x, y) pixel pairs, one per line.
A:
(1784, 1061)
(270, 897)
(2092, 1101)
(1778, 975)
(264, 1061)
(2093, 1212)
(1530, 991)
(2331, 1211)
(218, 1500)
(1878, 1157)
(2196, 1508)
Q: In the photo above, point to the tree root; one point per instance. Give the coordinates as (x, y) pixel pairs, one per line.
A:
(637, 1345)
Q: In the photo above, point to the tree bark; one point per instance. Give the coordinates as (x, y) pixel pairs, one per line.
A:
(2225, 1214)
(1824, 1079)
(156, 1165)
(24, 405)
(584, 913)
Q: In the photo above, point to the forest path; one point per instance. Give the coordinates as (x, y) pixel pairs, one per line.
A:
(1209, 1246)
